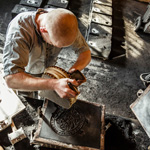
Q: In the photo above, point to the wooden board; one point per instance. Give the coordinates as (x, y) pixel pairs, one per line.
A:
(141, 109)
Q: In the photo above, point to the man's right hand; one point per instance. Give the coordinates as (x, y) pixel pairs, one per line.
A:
(62, 88)
(25, 82)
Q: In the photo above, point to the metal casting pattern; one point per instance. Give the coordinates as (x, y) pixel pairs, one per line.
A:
(67, 122)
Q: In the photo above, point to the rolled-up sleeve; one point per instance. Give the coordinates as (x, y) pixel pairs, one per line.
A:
(15, 54)
(80, 44)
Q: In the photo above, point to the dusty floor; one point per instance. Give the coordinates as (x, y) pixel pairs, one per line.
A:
(114, 82)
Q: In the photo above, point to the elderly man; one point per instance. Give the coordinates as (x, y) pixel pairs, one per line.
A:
(33, 42)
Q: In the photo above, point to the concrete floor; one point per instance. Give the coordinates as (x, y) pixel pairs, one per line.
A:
(114, 82)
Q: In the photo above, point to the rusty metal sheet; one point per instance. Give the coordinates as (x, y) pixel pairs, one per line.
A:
(31, 3)
(101, 19)
(80, 127)
(49, 6)
(100, 40)
(141, 109)
(58, 3)
(20, 8)
(104, 2)
(100, 30)
(102, 9)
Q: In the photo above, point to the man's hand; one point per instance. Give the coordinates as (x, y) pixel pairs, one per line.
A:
(63, 90)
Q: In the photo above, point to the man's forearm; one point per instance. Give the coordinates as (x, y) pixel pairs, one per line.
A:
(26, 82)
(82, 61)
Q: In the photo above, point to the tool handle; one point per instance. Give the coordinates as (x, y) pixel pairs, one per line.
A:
(73, 88)
(13, 127)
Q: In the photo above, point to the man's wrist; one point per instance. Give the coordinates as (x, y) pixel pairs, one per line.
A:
(71, 70)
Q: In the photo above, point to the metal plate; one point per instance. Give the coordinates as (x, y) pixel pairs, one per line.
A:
(101, 19)
(58, 3)
(20, 8)
(31, 3)
(100, 46)
(104, 2)
(49, 6)
(141, 109)
(80, 127)
(102, 9)
(100, 30)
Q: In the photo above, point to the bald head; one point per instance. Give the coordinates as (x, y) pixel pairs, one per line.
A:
(62, 26)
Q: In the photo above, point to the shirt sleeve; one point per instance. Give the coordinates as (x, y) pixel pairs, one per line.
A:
(15, 54)
(80, 44)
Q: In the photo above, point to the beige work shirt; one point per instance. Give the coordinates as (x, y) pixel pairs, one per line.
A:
(26, 51)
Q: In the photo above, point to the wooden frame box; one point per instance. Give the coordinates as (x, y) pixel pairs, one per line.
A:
(80, 127)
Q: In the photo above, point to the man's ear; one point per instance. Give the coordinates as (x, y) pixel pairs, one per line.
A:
(43, 29)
